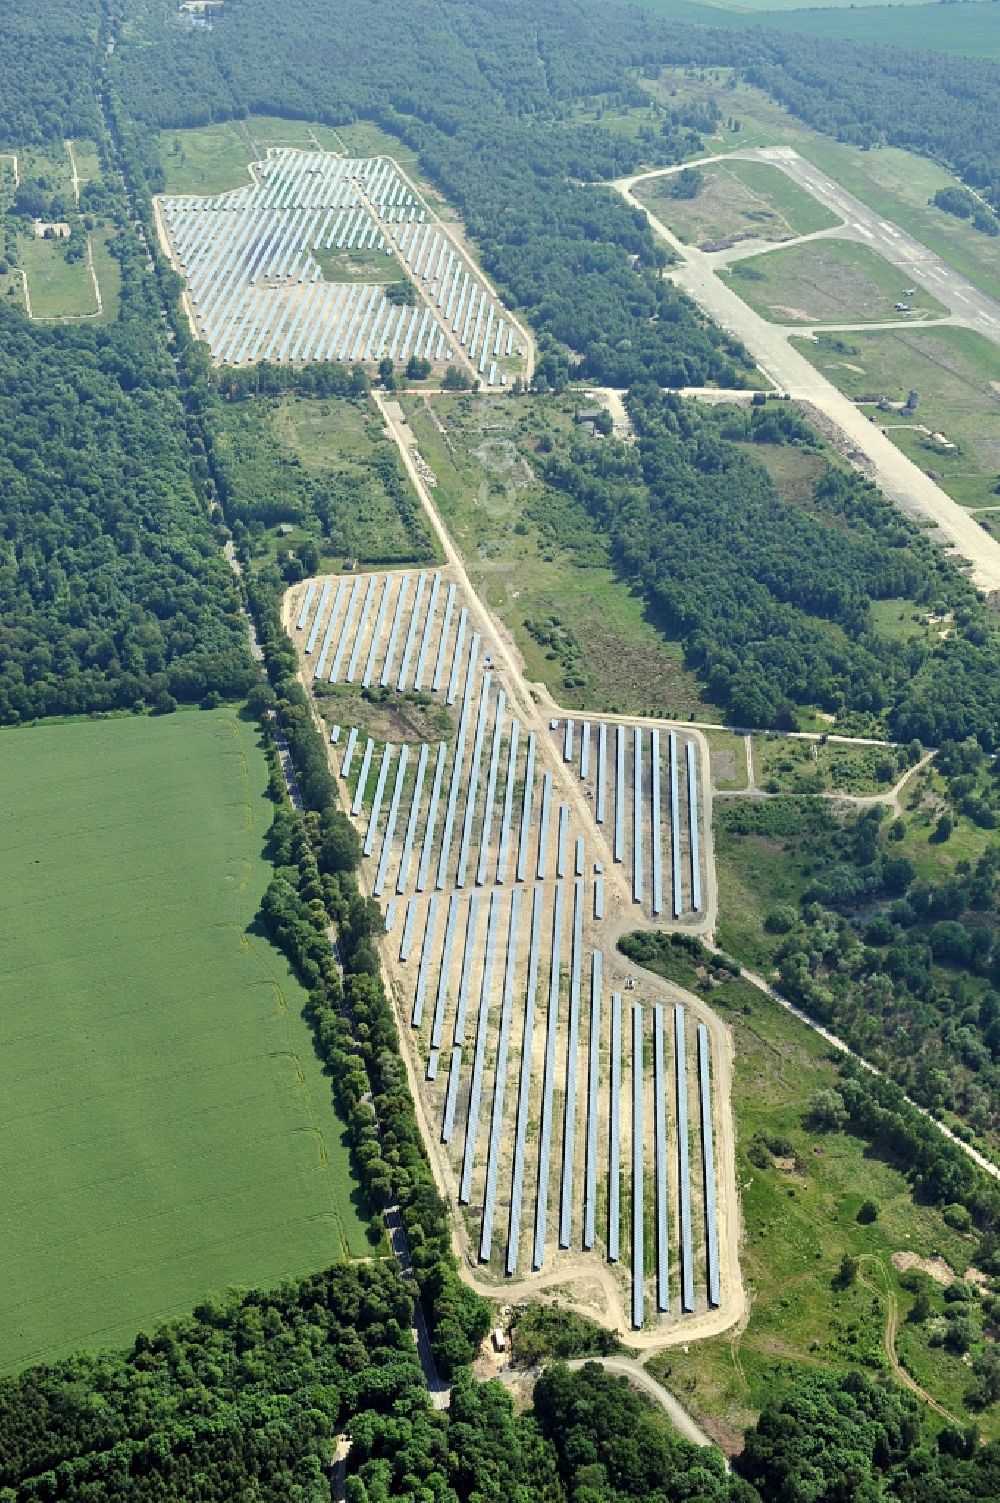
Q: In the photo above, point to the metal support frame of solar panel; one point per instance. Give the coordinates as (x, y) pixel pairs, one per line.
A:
(432, 813)
(411, 634)
(455, 1070)
(458, 759)
(548, 1085)
(426, 951)
(660, 1125)
(708, 1169)
(345, 629)
(406, 942)
(638, 812)
(428, 631)
(451, 692)
(444, 975)
(352, 741)
(411, 823)
(363, 774)
(638, 1146)
(331, 627)
(307, 601)
(474, 772)
(675, 828)
(468, 955)
(500, 1079)
(602, 771)
(619, 846)
(524, 1085)
(684, 1163)
(508, 800)
(319, 617)
(352, 666)
(692, 792)
(366, 762)
(543, 826)
(383, 774)
(593, 1100)
(439, 662)
(656, 825)
(614, 1131)
(479, 1055)
(561, 840)
(382, 870)
(526, 806)
(568, 742)
(491, 789)
(572, 1053)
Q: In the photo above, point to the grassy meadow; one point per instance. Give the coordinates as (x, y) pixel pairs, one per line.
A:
(323, 466)
(582, 631)
(214, 158)
(827, 281)
(166, 1127)
(955, 371)
(740, 200)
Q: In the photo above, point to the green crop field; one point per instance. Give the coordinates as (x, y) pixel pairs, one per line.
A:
(827, 281)
(738, 199)
(955, 373)
(968, 29)
(165, 1127)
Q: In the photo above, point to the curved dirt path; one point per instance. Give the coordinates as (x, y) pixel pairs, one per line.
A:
(882, 1288)
(890, 797)
(625, 1367)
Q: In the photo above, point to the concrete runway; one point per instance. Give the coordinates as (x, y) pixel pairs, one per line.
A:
(900, 479)
(918, 265)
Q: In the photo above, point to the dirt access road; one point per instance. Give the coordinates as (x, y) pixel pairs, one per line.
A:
(535, 711)
(901, 480)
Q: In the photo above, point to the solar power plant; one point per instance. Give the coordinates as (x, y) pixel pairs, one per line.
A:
(301, 263)
(558, 1100)
(644, 786)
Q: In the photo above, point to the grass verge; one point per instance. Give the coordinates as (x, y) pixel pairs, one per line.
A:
(827, 281)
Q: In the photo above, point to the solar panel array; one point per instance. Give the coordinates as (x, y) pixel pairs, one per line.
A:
(526, 1060)
(644, 787)
(257, 290)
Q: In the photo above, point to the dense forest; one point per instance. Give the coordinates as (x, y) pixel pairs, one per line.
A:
(771, 598)
(113, 592)
(904, 966)
(245, 1398)
(47, 65)
(446, 62)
